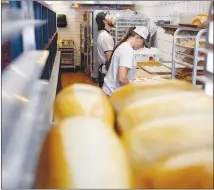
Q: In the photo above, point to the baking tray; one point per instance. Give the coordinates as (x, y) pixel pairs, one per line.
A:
(151, 70)
(192, 26)
(153, 63)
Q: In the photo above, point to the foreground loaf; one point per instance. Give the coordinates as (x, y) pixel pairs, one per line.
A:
(82, 152)
(167, 130)
(83, 100)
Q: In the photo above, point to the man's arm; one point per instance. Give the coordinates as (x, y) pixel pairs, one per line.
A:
(122, 75)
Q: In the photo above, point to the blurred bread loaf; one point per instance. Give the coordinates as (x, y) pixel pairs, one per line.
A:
(82, 152)
(130, 93)
(83, 100)
(172, 152)
(167, 129)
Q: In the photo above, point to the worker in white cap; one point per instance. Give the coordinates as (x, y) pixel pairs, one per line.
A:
(122, 65)
(105, 43)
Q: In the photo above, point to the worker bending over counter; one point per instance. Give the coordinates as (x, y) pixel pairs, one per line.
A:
(122, 66)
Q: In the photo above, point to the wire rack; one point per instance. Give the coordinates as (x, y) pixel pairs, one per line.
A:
(179, 55)
(124, 22)
(24, 114)
(207, 79)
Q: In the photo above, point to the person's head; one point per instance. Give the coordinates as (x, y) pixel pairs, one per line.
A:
(104, 21)
(137, 36)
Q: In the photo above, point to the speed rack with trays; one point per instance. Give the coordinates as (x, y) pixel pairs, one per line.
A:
(207, 78)
(178, 56)
(67, 54)
(124, 22)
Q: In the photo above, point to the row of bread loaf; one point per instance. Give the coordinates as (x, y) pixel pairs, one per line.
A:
(165, 138)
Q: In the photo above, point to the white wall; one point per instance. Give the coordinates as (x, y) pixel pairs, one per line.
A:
(74, 19)
(161, 10)
(155, 10)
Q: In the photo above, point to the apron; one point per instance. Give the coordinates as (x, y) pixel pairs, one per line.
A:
(101, 76)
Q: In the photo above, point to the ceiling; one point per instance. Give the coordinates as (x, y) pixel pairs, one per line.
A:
(89, 2)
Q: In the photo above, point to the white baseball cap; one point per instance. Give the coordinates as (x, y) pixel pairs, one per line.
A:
(142, 31)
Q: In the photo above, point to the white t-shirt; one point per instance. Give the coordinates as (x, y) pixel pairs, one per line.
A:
(105, 43)
(122, 57)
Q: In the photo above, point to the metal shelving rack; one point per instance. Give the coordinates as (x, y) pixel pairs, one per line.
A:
(67, 54)
(87, 49)
(177, 56)
(24, 95)
(207, 78)
(124, 22)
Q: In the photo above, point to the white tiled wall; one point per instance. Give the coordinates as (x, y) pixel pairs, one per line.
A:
(162, 10)
(74, 19)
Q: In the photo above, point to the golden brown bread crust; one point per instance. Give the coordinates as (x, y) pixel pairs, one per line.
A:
(52, 172)
(166, 155)
(163, 134)
(132, 92)
(158, 177)
(152, 143)
(80, 100)
(166, 106)
(62, 162)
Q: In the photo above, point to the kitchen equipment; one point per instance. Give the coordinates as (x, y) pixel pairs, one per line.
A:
(147, 56)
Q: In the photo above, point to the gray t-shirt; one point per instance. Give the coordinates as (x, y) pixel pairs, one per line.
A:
(105, 43)
(122, 57)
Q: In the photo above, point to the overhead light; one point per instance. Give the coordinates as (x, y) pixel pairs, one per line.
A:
(49, 2)
(75, 5)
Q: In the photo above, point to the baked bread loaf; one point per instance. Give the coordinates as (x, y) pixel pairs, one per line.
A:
(82, 152)
(166, 105)
(200, 19)
(191, 61)
(133, 92)
(83, 100)
(190, 43)
(172, 152)
(167, 129)
(186, 73)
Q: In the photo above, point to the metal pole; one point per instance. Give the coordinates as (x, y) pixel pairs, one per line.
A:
(195, 64)
(173, 52)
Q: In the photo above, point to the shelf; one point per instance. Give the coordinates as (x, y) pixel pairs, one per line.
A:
(67, 66)
(71, 53)
(65, 47)
(170, 26)
(169, 65)
(188, 36)
(67, 61)
(200, 49)
(189, 65)
(190, 56)
(188, 47)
